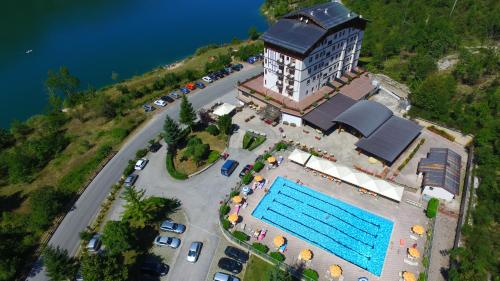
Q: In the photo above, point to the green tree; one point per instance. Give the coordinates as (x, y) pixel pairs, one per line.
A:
(187, 115)
(225, 124)
(253, 34)
(20, 130)
(171, 133)
(276, 274)
(58, 264)
(200, 153)
(6, 139)
(63, 83)
(117, 237)
(45, 204)
(432, 97)
(421, 66)
(136, 212)
(104, 106)
(103, 268)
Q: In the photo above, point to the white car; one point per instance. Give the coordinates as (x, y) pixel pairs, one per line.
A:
(160, 103)
(207, 79)
(140, 164)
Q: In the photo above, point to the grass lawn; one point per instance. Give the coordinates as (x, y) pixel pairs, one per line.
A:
(217, 145)
(257, 269)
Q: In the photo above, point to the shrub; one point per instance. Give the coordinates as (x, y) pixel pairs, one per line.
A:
(432, 208)
(247, 178)
(311, 273)
(259, 247)
(86, 235)
(213, 156)
(259, 165)
(247, 140)
(224, 209)
(141, 153)
(257, 141)
(440, 132)
(130, 168)
(277, 256)
(213, 130)
(422, 276)
(226, 224)
(413, 152)
(242, 236)
(281, 146)
(171, 168)
(194, 141)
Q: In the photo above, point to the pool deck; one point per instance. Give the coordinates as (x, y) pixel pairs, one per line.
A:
(402, 214)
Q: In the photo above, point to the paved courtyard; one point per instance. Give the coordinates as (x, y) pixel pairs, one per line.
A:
(403, 215)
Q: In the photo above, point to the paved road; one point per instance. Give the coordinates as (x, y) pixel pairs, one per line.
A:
(87, 206)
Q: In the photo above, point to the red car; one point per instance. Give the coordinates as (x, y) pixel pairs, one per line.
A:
(191, 86)
(245, 170)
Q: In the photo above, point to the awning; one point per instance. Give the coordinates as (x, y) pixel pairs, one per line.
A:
(356, 178)
(298, 156)
(224, 109)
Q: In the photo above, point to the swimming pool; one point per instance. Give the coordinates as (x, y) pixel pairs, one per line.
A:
(351, 233)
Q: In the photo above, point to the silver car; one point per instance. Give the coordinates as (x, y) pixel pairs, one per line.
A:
(219, 276)
(172, 227)
(172, 242)
(194, 252)
(94, 244)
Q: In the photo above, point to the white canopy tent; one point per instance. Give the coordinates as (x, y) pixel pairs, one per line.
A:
(224, 109)
(360, 179)
(300, 157)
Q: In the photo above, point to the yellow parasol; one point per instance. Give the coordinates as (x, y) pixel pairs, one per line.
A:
(258, 178)
(271, 159)
(372, 160)
(335, 271)
(414, 252)
(305, 255)
(237, 199)
(418, 229)
(233, 217)
(279, 240)
(408, 276)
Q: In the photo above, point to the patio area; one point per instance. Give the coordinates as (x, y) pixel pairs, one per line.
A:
(404, 216)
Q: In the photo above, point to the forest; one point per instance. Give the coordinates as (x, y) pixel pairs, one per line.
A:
(405, 40)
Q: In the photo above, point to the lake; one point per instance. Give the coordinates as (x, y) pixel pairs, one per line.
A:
(96, 38)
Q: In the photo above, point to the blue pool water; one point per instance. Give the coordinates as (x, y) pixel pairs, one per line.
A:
(351, 233)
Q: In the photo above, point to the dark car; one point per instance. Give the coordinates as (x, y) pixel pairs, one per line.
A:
(130, 180)
(251, 60)
(230, 265)
(148, 108)
(225, 72)
(237, 67)
(184, 90)
(174, 95)
(245, 170)
(154, 147)
(213, 76)
(154, 268)
(236, 254)
(200, 85)
(167, 99)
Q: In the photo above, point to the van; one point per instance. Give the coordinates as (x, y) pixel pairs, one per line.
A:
(228, 167)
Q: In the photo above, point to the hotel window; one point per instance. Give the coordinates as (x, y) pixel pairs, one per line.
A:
(265, 72)
(308, 81)
(330, 69)
(309, 70)
(329, 42)
(307, 92)
(310, 59)
(316, 56)
(265, 82)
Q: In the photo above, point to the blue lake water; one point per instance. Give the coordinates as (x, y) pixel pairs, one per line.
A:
(96, 38)
(346, 231)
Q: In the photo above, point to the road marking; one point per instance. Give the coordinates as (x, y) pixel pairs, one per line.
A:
(204, 230)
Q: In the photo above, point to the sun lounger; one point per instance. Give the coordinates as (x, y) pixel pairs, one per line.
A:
(413, 237)
(412, 263)
(280, 160)
(262, 235)
(282, 249)
(237, 208)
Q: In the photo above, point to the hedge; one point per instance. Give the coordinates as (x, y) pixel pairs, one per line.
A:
(259, 165)
(247, 140)
(226, 224)
(130, 168)
(242, 236)
(141, 153)
(213, 130)
(247, 178)
(171, 168)
(432, 208)
(257, 141)
(281, 146)
(440, 132)
(413, 152)
(311, 273)
(259, 247)
(224, 209)
(277, 256)
(213, 156)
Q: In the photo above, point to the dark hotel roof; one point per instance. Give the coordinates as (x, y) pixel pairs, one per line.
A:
(298, 36)
(323, 115)
(365, 116)
(390, 139)
(441, 168)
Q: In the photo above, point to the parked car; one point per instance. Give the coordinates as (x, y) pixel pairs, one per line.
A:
(154, 147)
(228, 167)
(167, 99)
(172, 242)
(230, 265)
(236, 254)
(172, 227)
(94, 244)
(79, 276)
(160, 103)
(130, 180)
(140, 164)
(213, 76)
(184, 90)
(174, 95)
(224, 72)
(237, 67)
(245, 170)
(251, 60)
(191, 86)
(207, 79)
(148, 108)
(194, 252)
(219, 276)
(200, 85)
(154, 268)
(229, 69)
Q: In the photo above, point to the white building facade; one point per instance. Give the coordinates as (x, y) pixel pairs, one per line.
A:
(327, 43)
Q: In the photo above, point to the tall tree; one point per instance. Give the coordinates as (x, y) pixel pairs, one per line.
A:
(225, 124)
(45, 204)
(103, 268)
(137, 213)
(187, 115)
(171, 133)
(117, 237)
(58, 264)
(63, 83)
(253, 33)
